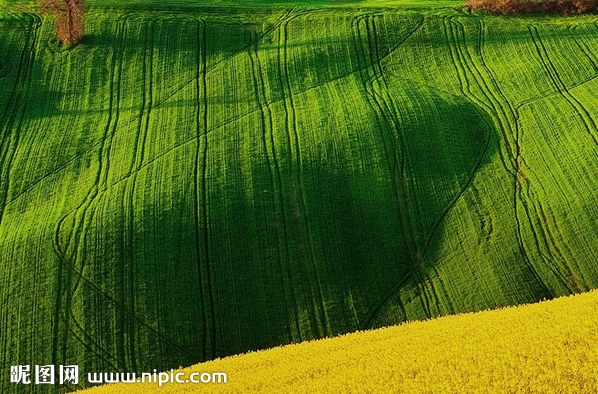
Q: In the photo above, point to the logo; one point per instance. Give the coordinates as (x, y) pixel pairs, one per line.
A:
(44, 374)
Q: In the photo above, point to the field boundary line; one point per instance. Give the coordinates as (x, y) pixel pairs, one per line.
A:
(14, 112)
(396, 167)
(560, 86)
(293, 146)
(494, 107)
(62, 258)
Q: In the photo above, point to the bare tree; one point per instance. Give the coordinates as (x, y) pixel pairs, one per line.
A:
(69, 18)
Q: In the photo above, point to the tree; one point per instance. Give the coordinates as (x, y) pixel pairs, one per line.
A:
(535, 6)
(69, 18)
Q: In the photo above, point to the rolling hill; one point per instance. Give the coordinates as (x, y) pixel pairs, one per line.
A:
(194, 181)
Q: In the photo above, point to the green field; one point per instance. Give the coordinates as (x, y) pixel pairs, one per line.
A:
(195, 181)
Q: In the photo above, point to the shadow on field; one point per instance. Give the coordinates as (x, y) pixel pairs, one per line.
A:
(15, 62)
(313, 212)
(329, 239)
(5, 67)
(444, 144)
(281, 231)
(36, 89)
(309, 247)
(432, 145)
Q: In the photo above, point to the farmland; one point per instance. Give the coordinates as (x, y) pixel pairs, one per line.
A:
(548, 347)
(196, 181)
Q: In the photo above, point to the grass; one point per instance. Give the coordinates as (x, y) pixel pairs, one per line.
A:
(191, 184)
(548, 347)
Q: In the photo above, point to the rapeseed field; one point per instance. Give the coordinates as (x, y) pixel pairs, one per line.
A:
(548, 347)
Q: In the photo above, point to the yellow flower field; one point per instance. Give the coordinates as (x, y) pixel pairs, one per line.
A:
(549, 347)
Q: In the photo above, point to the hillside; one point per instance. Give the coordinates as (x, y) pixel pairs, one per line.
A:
(549, 347)
(195, 182)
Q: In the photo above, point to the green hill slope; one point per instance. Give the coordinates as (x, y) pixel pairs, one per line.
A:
(188, 185)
